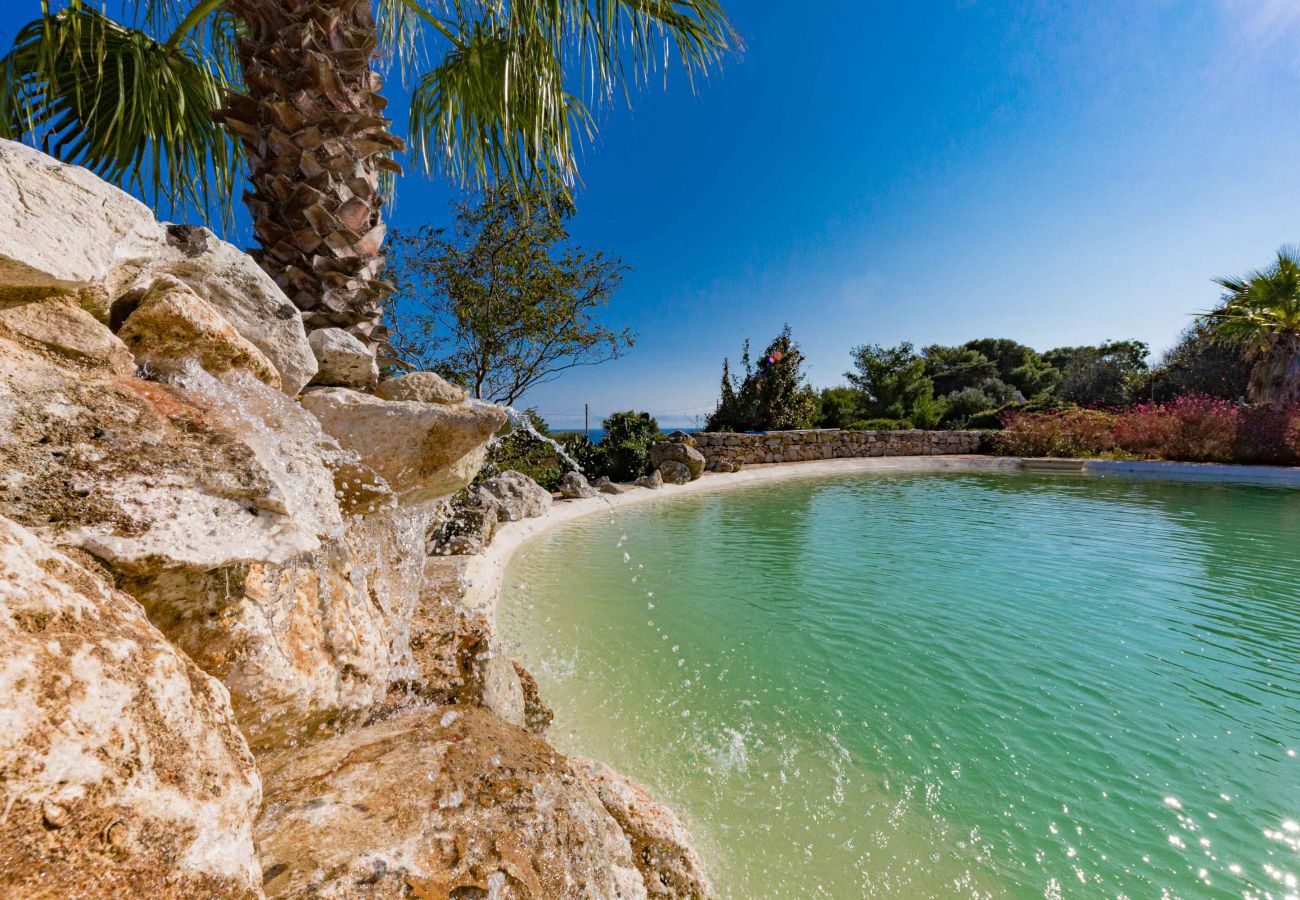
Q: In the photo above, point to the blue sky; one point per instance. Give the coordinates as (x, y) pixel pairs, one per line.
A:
(933, 171)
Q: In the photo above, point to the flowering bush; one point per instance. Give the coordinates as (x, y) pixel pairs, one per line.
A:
(1191, 428)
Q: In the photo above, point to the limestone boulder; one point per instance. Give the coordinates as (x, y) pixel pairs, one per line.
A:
(520, 497)
(680, 452)
(574, 486)
(605, 486)
(426, 387)
(661, 845)
(342, 360)
(423, 451)
(470, 528)
(60, 326)
(234, 284)
(196, 474)
(653, 481)
(64, 226)
(171, 326)
(305, 645)
(673, 472)
(538, 714)
(441, 802)
(121, 769)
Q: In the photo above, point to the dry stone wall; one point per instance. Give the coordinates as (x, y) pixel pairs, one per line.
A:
(723, 449)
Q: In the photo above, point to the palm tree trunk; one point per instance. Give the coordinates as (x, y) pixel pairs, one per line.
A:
(1275, 377)
(313, 129)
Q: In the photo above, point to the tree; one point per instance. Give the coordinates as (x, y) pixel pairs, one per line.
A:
(956, 368)
(295, 85)
(1020, 366)
(1262, 311)
(1103, 375)
(838, 407)
(771, 396)
(892, 380)
(1201, 363)
(504, 303)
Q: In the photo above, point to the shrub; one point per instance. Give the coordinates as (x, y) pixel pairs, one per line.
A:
(626, 446)
(881, 425)
(1191, 428)
(1073, 432)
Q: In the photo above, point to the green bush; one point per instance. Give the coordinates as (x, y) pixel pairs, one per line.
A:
(881, 425)
(626, 446)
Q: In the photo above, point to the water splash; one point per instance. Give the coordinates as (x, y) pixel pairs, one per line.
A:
(521, 421)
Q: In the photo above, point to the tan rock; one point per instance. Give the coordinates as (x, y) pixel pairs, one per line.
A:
(426, 387)
(64, 226)
(518, 495)
(441, 802)
(661, 845)
(423, 451)
(121, 769)
(342, 360)
(172, 326)
(61, 325)
(538, 714)
(234, 284)
(150, 476)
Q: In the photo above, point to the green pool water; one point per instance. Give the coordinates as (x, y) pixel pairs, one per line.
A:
(941, 684)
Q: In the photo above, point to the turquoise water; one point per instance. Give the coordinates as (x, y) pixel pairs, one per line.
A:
(942, 685)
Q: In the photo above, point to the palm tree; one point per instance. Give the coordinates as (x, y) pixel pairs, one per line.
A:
(1262, 311)
(297, 83)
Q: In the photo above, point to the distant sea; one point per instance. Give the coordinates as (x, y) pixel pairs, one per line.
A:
(598, 434)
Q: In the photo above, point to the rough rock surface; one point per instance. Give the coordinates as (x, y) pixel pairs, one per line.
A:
(470, 528)
(426, 387)
(538, 714)
(307, 643)
(574, 486)
(605, 486)
(673, 472)
(121, 769)
(342, 360)
(441, 802)
(63, 226)
(681, 452)
(61, 326)
(172, 326)
(147, 475)
(520, 497)
(237, 287)
(423, 451)
(654, 480)
(660, 843)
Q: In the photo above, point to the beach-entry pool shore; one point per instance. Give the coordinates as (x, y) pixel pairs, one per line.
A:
(941, 684)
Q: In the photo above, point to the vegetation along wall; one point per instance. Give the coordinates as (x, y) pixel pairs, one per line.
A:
(722, 449)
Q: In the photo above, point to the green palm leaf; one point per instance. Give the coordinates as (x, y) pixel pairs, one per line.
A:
(119, 102)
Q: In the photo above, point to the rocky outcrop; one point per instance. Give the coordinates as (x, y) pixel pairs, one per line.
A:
(171, 327)
(195, 565)
(343, 360)
(426, 387)
(520, 497)
(471, 526)
(235, 285)
(63, 226)
(677, 452)
(575, 487)
(423, 451)
(60, 326)
(440, 802)
(121, 769)
(661, 845)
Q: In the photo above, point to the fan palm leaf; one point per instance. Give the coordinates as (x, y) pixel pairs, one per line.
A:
(1261, 311)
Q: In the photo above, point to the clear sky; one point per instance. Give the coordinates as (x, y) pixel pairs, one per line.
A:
(933, 171)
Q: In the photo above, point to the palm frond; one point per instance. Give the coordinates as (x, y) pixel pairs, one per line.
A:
(496, 105)
(512, 93)
(132, 109)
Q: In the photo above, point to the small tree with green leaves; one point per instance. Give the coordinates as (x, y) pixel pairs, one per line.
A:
(504, 303)
(772, 395)
(626, 445)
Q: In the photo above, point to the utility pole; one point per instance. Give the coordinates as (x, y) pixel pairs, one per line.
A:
(586, 421)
